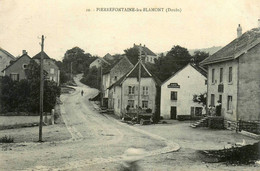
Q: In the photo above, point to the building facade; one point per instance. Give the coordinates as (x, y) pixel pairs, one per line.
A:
(177, 93)
(147, 54)
(233, 78)
(5, 59)
(124, 94)
(114, 73)
(16, 70)
(49, 66)
(97, 63)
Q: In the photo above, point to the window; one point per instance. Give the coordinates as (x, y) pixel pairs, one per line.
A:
(198, 111)
(115, 78)
(213, 76)
(131, 89)
(52, 70)
(229, 103)
(144, 104)
(221, 75)
(145, 90)
(131, 103)
(174, 95)
(24, 66)
(212, 102)
(220, 98)
(14, 77)
(230, 74)
(118, 106)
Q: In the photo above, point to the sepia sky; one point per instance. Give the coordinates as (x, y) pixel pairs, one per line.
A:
(66, 24)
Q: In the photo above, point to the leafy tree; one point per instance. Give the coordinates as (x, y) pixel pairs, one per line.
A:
(199, 56)
(132, 54)
(175, 59)
(200, 98)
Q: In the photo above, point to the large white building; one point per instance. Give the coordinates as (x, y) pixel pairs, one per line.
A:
(177, 93)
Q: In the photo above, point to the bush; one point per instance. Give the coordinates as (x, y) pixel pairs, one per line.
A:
(7, 139)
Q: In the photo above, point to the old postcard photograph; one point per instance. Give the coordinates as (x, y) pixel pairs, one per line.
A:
(129, 85)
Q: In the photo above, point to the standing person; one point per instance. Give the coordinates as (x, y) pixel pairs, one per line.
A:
(218, 108)
(82, 92)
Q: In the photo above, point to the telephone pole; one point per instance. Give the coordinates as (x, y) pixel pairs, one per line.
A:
(139, 81)
(41, 90)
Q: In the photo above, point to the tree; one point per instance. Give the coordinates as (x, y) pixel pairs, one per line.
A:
(175, 59)
(200, 98)
(199, 56)
(132, 54)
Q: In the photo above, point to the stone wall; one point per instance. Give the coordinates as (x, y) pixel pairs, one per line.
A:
(249, 85)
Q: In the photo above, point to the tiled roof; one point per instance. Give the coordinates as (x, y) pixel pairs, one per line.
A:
(235, 48)
(38, 56)
(7, 53)
(146, 50)
(134, 73)
(16, 61)
(114, 63)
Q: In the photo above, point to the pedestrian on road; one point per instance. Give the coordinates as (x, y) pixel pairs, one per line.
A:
(82, 92)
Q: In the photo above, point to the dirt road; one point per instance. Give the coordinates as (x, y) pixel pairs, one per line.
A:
(96, 140)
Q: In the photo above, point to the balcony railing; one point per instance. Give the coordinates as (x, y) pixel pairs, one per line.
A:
(220, 88)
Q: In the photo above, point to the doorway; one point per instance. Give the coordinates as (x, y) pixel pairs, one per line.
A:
(173, 112)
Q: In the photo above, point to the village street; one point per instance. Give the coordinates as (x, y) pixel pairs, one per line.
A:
(98, 142)
(96, 139)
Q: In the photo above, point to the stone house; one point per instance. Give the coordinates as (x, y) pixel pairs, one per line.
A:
(233, 78)
(147, 54)
(49, 66)
(16, 70)
(97, 63)
(177, 93)
(124, 93)
(112, 74)
(5, 59)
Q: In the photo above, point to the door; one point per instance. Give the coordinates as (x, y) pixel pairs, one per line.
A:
(173, 112)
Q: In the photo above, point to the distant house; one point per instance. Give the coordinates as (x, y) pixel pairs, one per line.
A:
(5, 59)
(16, 70)
(113, 73)
(233, 78)
(97, 63)
(178, 90)
(147, 54)
(49, 66)
(123, 94)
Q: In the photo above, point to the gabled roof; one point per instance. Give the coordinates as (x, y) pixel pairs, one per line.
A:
(24, 55)
(134, 73)
(38, 56)
(198, 68)
(103, 60)
(235, 48)
(7, 53)
(108, 69)
(146, 50)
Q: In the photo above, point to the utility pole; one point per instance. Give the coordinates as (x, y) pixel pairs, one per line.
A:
(101, 86)
(41, 90)
(139, 82)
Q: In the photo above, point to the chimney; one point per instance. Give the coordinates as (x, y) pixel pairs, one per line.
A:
(24, 52)
(134, 44)
(259, 23)
(239, 31)
(144, 45)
